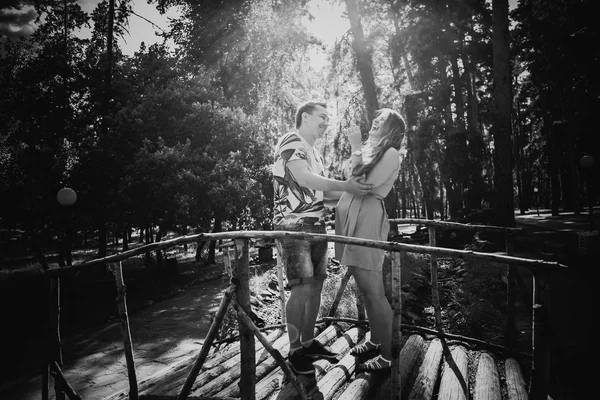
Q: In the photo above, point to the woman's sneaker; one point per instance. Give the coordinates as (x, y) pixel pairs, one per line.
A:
(316, 349)
(300, 363)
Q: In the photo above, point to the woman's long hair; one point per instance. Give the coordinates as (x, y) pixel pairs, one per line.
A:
(394, 128)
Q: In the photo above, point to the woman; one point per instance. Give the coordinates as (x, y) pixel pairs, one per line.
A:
(365, 217)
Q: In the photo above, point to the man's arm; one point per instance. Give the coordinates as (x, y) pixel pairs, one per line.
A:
(302, 175)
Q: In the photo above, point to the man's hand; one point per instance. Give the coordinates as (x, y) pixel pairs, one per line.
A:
(354, 138)
(356, 186)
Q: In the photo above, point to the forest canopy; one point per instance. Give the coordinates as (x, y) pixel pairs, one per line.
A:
(179, 138)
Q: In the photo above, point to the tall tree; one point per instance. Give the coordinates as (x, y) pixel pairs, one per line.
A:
(502, 110)
(364, 63)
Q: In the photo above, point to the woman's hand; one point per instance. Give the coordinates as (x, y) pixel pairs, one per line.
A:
(354, 137)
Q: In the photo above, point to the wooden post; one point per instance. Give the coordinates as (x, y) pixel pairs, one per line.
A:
(125, 331)
(55, 347)
(48, 353)
(59, 376)
(274, 352)
(338, 296)
(281, 289)
(242, 295)
(210, 337)
(511, 331)
(435, 294)
(396, 325)
(360, 306)
(538, 385)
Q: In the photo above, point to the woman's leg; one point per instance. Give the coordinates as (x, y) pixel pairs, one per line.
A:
(378, 308)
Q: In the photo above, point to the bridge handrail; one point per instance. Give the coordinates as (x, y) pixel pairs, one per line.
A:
(390, 246)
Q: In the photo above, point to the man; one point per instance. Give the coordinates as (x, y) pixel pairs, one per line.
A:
(300, 187)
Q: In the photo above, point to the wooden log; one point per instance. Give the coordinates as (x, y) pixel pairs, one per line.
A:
(289, 374)
(465, 339)
(335, 378)
(390, 246)
(59, 376)
(339, 294)
(424, 385)
(396, 387)
(281, 289)
(172, 377)
(455, 380)
(322, 367)
(515, 383)
(231, 386)
(360, 387)
(233, 373)
(265, 364)
(234, 349)
(125, 331)
(487, 380)
(212, 332)
(435, 293)
(242, 295)
(456, 225)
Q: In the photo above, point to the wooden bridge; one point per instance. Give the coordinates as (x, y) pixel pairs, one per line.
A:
(426, 364)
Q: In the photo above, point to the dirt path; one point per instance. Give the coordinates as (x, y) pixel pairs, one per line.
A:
(163, 333)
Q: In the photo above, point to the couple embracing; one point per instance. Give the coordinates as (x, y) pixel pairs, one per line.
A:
(301, 190)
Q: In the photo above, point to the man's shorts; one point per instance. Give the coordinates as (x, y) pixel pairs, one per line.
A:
(304, 261)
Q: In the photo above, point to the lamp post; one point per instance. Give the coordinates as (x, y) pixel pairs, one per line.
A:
(537, 200)
(587, 162)
(66, 197)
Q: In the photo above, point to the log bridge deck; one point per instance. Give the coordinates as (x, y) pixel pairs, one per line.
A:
(430, 368)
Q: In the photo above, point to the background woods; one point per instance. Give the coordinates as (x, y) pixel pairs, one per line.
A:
(496, 97)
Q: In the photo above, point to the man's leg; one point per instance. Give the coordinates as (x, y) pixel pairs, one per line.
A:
(295, 310)
(311, 310)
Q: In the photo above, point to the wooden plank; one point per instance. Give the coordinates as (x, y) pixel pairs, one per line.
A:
(341, 345)
(487, 380)
(173, 375)
(232, 376)
(515, 383)
(429, 370)
(455, 380)
(362, 384)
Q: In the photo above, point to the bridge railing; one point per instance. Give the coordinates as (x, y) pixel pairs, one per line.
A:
(238, 296)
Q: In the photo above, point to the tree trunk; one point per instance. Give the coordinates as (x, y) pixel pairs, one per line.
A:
(363, 60)
(553, 163)
(501, 128)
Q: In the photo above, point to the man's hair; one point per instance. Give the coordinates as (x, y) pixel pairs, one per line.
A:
(307, 107)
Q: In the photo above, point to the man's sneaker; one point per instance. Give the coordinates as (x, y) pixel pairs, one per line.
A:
(300, 364)
(316, 349)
